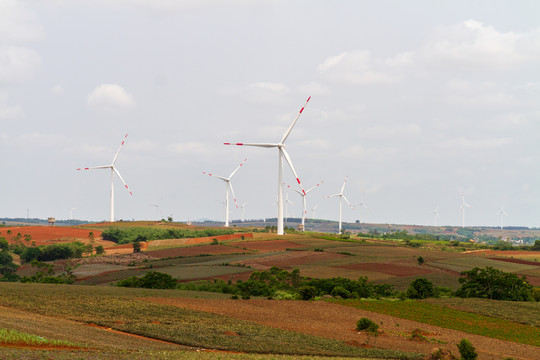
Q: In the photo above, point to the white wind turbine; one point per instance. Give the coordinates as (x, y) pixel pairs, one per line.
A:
(71, 213)
(303, 194)
(341, 198)
(462, 207)
(243, 211)
(282, 154)
(287, 202)
(313, 211)
(436, 214)
(113, 171)
(228, 186)
(503, 213)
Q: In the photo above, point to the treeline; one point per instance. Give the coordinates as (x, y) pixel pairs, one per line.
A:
(55, 252)
(130, 234)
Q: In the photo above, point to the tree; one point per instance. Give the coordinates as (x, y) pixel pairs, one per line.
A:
(420, 288)
(491, 283)
(4, 243)
(99, 250)
(7, 267)
(420, 260)
(467, 350)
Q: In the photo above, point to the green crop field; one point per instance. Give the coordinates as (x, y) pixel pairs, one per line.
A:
(121, 309)
(450, 318)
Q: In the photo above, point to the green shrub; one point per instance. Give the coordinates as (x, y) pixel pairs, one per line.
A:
(420, 288)
(307, 292)
(151, 280)
(467, 350)
(491, 283)
(365, 324)
(340, 291)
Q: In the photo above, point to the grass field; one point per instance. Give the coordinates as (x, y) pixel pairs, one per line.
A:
(450, 318)
(120, 309)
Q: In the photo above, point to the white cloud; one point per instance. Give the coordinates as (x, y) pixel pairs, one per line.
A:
(18, 23)
(190, 148)
(464, 92)
(11, 112)
(17, 64)
(313, 88)
(57, 90)
(374, 154)
(472, 43)
(110, 97)
(462, 143)
(357, 67)
(260, 92)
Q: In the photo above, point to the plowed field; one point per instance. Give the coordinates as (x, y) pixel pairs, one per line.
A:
(390, 269)
(338, 322)
(44, 235)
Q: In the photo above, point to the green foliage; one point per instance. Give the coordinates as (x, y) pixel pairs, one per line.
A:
(129, 234)
(361, 288)
(536, 294)
(307, 292)
(99, 250)
(4, 245)
(45, 275)
(340, 291)
(365, 324)
(491, 283)
(467, 350)
(420, 260)
(53, 252)
(7, 267)
(420, 288)
(151, 280)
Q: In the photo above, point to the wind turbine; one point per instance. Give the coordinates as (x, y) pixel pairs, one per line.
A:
(287, 202)
(113, 171)
(313, 211)
(503, 213)
(303, 195)
(71, 213)
(243, 211)
(341, 198)
(282, 154)
(462, 207)
(228, 186)
(436, 213)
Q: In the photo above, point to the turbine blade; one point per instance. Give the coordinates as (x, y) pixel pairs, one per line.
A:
(230, 177)
(313, 187)
(347, 201)
(217, 176)
(96, 167)
(265, 145)
(232, 192)
(120, 148)
(288, 159)
(345, 182)
(120, 176)
(294, 122)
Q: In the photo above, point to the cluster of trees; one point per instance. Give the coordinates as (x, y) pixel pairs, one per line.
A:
(55, 251)
(151, 280)
(130, 234)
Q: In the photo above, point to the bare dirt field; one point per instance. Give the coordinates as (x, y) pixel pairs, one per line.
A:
(338, 322)
(267, 245)
(45, 235)
(390, 269)
(193, 251)
(290, 259)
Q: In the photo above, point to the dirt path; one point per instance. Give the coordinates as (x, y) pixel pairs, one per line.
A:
(338, 322)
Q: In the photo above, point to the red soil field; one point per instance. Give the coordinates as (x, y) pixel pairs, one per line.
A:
(44, 235)
(389, 269)
(339, 322)
(268, 245)
(517, 261)
(290, 259)
(193, 251)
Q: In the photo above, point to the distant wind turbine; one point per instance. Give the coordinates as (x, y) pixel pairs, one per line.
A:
(282, 155)
(71, 213)
(436, 213)
(113, 171)
(313, 211)
(341, 198)
(243, 207)
(303, 194)
(503, 213)
(462, 207)
(228, 186)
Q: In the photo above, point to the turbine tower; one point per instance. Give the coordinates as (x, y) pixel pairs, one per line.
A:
(313, 211)
(113, 171)
(228, 186)
(341, 198)
(462, 207)
(303, 195)
(503, 213)
(243, 206)
(436, 213)
(282, 153)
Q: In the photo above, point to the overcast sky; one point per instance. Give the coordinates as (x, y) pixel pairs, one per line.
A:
(418, 102)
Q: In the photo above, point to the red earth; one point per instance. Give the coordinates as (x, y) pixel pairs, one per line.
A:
(390, 269)
(290, 259)
(268, 245)
(193, 251)
(44, 235)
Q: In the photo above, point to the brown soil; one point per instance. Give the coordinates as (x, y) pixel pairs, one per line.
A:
(516, 261)
(390, 269)
(290, 259)
(339, 322)
(44, 235)
(268, 245)
(193, 251)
